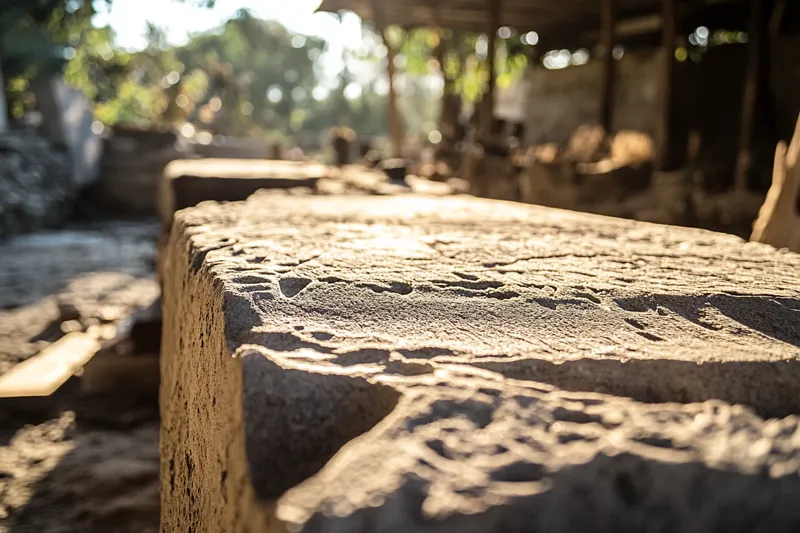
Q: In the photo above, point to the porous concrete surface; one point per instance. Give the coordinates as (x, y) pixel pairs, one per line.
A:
(187, 183)
(454, 364)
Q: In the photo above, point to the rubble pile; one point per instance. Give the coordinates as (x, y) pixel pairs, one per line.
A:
(35, 183)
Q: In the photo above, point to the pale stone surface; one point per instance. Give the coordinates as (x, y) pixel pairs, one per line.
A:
(432, 342)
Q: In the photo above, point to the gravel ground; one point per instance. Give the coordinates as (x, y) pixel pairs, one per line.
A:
(73, 462)
(104, 268)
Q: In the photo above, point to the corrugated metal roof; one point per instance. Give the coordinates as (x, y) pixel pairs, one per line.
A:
(554, 20)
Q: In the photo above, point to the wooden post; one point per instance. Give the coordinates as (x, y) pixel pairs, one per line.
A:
(778, 222)
(755, 52)
(488, 97)
(777, 17)
(665, 154)
(395, 121)
(607, 39)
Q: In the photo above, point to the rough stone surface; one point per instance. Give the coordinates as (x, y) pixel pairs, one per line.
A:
(189, 182)
(453, 364)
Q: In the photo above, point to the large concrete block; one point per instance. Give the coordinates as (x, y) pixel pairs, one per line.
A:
(187, 182)
(399, 364)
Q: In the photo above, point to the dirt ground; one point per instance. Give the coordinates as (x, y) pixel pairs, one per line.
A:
(75, 462)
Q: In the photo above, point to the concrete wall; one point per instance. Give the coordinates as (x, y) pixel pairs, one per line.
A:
(561, 100)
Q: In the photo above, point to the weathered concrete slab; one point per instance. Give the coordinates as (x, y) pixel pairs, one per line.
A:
(187, 182)
(456, 358)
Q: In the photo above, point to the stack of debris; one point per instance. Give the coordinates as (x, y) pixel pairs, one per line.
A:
(593, 170)
(35, 183)
(615, 176)
(490, 166)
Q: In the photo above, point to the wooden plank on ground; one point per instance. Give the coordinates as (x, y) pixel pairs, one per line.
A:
(45, 372)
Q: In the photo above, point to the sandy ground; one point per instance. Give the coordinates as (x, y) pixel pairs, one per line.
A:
(75, 462)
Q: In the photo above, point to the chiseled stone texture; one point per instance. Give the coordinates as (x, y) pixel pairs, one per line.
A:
(422, 364)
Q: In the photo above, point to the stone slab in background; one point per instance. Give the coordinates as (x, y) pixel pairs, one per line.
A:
(234, 148)
(67, 122)
(188, 182)
(418, 364)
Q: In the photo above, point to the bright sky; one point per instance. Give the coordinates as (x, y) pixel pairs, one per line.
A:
(129, 19)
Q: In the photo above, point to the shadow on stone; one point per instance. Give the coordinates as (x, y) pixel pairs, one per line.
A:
(775, 317)
(106, 480)
(296, 420)
(769, 388)
(631, 493)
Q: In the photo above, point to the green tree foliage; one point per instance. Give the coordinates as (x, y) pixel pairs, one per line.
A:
(44, 37)
(261, 74)
(465, 70)
(29, 43)
(247, 77)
